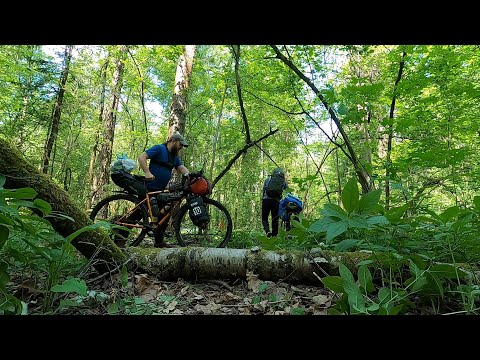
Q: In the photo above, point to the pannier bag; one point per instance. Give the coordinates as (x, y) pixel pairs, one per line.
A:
(197, 211)
(129, 182)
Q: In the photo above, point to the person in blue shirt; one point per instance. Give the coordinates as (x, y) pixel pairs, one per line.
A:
(163, 158)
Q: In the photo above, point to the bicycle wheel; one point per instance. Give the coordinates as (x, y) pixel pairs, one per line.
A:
(216, 234)
(115, 207)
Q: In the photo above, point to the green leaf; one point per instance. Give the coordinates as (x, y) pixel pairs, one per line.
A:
(4, 232)
(355, 297)
(350, 195)
(384, 295)
(2, 181)
(100, 224)
(333, 283)
(346, 244)
(449, 213)
(365, 279)
(4, 277)
(297, 311)
(476, 202)
(72, 285)
(322, 224)
(35, 218)
(124, 275)
(369, 200)
(357, 222)
(395, 214)
(69, 303)
(44, 206)
(333, 210)
(448, 271)
(6, 220)
(342, 109)
(21, 202)
(435, 280)
(365, 262)
(113, 309)
(420, 282)
(336, 229)
(262, 287)
(377, 220)
(24, 193)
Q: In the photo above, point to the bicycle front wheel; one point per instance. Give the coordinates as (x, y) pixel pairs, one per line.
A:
(216, 234)
(113, 209)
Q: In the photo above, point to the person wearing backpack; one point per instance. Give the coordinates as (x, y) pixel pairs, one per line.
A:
(272, 193)
(289, 205)
(163, 158)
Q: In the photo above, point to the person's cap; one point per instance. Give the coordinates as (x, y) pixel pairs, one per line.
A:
(180, 138)
(278, 171)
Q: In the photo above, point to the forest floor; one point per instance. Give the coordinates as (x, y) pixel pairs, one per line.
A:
(145, 295)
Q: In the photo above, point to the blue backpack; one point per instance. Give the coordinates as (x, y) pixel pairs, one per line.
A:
(291, 204)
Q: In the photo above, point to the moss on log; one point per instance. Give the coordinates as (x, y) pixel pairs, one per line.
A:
(21, 174)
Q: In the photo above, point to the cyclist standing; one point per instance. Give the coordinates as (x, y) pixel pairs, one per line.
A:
(163, 158)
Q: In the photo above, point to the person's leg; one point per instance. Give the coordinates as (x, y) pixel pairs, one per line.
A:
(265, 212)
(159, 234)
(274, 206)
(288, 226)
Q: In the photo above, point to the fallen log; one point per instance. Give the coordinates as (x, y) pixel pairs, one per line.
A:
(92, 244)
(195, 263)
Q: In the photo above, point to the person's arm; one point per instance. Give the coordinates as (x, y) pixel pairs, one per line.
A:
(183, 170)
(142, 161)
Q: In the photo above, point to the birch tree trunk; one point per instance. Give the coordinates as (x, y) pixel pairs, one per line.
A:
(178, 110)
(57, 112)
(196, 263)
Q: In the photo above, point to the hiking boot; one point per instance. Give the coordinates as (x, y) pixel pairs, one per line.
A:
(163, 245)
(269, 234)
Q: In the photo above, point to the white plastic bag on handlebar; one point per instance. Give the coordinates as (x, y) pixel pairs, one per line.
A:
(123, 163)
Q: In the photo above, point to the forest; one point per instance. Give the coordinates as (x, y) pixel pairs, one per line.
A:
(378, 141)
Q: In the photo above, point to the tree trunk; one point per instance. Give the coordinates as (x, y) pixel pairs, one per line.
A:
(110, 118)
(57, 112)
(196, 263)
(93, 156)
(390, 133)
(217, 129)
(20, 173)
(178, 110)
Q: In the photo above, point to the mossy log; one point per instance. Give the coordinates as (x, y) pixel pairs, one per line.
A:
(195, 263)
(21, 174)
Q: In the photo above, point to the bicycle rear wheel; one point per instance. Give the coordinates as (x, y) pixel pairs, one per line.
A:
(113, 208)
(216, 234)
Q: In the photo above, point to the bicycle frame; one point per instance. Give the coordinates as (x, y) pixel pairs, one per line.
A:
(165, 218)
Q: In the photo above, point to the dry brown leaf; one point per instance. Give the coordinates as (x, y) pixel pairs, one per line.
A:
(184, 290)
(142, 282)
(321, 300)
(197, 296)
(149, 294)
(171, 305)
(253, 282)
